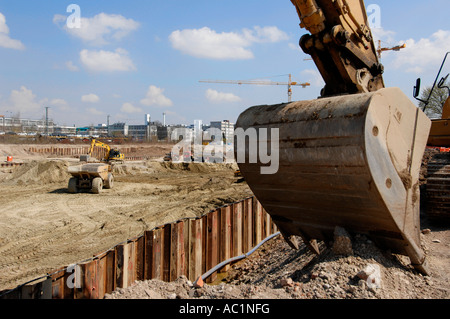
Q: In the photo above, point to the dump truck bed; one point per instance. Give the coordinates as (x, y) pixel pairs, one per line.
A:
(90, 170)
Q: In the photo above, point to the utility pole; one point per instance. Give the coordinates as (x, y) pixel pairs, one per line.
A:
(107, 123)
(46, 120)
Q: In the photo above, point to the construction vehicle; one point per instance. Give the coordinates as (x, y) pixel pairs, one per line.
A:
(95, 176)
(109, 154)
(438, 167)
(350, 158)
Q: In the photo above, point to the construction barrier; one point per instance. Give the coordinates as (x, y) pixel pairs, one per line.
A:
(189, 247)
(82, 150)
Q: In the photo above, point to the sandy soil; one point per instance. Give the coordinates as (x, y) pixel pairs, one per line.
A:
(42, 227)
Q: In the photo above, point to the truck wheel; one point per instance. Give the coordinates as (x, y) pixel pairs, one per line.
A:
(72, 188)
(109, 183)
(97, 185)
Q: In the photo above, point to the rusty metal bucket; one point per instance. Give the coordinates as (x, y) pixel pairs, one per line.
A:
(351, 161)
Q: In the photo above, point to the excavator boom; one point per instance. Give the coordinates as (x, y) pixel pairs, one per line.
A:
(341, 44)
(351, 158)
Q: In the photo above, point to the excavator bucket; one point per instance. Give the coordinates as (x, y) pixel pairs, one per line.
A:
(351, 161)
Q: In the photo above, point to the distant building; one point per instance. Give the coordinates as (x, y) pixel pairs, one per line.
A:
(226, 128)
(147, 132)
(139, 132)
(64, 130)
(15, 124)
(118, 130)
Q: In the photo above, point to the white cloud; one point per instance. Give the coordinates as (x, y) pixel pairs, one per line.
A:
(270, 34)
(207, 43)
(313, 77)
(107, 61)
(94, 111)
(24, 101)
(100, 29)
(217, 97)
(156, 97)
(5, 40)
(385, 36)
(72, 67)
(419, 55)
(61, 104)
(90, 98)
(130, 108)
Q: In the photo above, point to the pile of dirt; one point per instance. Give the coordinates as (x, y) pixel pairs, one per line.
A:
(198, 167)
(155, 167)
(16, 151)
(182, 288)
(40, 172)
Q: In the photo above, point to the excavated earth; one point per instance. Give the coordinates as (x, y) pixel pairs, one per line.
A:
(42, 228)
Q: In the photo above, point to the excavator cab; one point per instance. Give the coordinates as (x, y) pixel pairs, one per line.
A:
(115, 155)
(349, 159)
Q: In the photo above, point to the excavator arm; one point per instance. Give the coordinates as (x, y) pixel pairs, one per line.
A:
(95, 143)
(341, 44)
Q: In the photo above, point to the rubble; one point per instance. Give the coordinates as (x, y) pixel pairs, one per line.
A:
(276, 271)
(342, 244)
(372, 275)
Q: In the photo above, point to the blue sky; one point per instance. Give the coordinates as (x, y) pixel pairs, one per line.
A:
(135, 57)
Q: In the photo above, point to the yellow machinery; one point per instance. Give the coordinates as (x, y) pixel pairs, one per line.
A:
(110, 154)
(438, 168)
(94, 176)
(350, 158)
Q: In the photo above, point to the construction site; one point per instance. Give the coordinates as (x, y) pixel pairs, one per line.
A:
(341, 197)
(48, 229)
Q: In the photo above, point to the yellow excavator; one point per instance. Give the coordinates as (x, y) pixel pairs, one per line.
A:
(350, 158)
(110, 154)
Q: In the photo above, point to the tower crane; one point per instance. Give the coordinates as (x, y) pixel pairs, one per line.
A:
(289, 84)
(396, 48)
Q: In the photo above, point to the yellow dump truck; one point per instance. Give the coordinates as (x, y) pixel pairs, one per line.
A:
(94, 176)
(90, 176)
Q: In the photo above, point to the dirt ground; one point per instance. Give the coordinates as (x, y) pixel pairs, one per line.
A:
(43, 227)
(40, 222)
